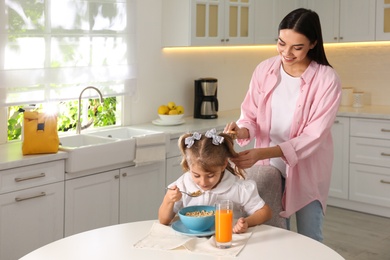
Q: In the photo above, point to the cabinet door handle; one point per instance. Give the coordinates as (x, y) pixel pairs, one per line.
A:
(385, 182)
(30, 177)
(31, 197)
(116, 176)
(336, 121)
(124, 174)
(385, 154)
(385, 130)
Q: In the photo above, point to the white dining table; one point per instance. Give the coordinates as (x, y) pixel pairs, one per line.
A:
(117, 242)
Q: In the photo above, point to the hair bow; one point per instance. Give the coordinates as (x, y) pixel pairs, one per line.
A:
(189, 141)
(216, 138)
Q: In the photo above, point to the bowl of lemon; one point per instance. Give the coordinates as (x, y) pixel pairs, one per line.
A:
(171, 113)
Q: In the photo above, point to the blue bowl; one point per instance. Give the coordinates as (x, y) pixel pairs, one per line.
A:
(197, 223)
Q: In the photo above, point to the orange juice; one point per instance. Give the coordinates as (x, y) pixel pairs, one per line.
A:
(223, 225)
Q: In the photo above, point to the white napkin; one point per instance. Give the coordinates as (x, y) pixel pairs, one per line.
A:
(162, 237)
(165, 238)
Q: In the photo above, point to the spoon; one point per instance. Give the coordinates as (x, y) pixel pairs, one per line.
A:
(191, 194)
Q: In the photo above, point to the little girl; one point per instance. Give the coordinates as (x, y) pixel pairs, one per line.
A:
(208, 170)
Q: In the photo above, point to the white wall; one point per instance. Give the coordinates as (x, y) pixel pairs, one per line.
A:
(168, 75)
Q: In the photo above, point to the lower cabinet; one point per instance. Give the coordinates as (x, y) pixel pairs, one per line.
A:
(118, 196)
(31, 207)
(142, 190)
(360, 177)
(91, 202)
(173, 169)
(340, 169)
(30, 218)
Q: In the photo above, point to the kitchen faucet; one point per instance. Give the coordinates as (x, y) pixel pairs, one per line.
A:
(78, 127)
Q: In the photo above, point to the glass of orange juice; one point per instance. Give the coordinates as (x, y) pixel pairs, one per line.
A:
(224, 223)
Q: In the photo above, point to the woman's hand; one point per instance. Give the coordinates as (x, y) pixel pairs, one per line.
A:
(246, 159)
(240, 133)
(241, 226)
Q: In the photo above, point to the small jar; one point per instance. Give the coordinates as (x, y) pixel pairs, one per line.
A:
(358, 99)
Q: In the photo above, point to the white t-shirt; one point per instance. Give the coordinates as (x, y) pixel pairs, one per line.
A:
(284, 99)
(243, 193)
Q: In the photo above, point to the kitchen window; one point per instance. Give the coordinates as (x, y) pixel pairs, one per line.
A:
(52, 49)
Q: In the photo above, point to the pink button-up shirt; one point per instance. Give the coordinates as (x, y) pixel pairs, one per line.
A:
(309, 151)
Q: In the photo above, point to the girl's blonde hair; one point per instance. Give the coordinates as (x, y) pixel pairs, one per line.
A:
(207, 155)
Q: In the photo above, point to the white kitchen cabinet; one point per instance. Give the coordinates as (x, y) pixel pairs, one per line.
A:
(382, 20)
(369, 168)
(91, 202)
(370, 162)
(340, 169)
(268, 15)
(117, 196)
(173, 168)
(31, 208)
(142, 190)
(207, 22)
(346, 20)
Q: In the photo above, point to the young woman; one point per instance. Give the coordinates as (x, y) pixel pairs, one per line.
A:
(208, 170)
(289, 109)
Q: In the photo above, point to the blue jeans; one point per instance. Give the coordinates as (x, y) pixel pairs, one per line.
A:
(309, 221)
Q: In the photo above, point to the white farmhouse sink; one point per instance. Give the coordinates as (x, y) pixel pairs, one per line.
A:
(123, 132)
(78, 141)
(87, 151)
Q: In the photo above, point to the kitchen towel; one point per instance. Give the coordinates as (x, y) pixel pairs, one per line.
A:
(150, 148)
(165, 238)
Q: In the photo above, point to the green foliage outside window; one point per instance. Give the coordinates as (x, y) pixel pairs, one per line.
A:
(102, 115)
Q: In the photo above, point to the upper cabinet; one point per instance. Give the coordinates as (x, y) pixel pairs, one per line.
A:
(268, 15)
(345, 20)
(383, 20)
(207, 22)
(248, 22)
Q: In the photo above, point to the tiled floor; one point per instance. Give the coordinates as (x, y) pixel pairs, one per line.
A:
(355, 235)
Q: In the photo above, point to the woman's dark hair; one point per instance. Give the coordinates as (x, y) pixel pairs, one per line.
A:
(307, 22)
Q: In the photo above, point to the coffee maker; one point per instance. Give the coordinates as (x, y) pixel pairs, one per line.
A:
(206, 102)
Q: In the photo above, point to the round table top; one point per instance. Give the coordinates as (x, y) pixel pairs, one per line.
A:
(117, 242)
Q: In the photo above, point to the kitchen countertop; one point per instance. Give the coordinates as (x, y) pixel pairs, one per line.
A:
(373, 112)
(11, 156)
(11, 153)
(192, 124)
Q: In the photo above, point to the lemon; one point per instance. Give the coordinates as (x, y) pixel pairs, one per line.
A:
(171, 105)
(180, 109)
(163, 110)
(173, 112)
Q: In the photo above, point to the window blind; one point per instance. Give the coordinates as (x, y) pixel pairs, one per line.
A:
(52, 49)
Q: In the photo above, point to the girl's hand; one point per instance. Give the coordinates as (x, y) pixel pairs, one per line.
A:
(173, 194)
(241, 226)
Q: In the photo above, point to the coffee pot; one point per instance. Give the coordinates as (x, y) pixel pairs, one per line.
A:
(206, 102)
